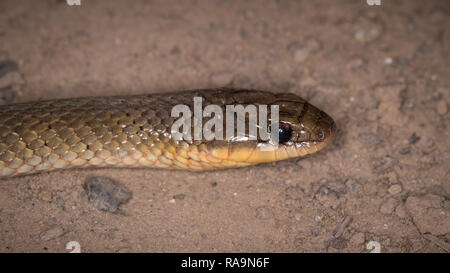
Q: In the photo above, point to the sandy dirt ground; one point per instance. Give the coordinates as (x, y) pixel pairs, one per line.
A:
(382, 72)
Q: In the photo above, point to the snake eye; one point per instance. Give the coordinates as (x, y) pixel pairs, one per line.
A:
(284, 133)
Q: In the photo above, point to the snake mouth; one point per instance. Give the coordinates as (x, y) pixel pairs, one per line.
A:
(319, 132)
(247, 153)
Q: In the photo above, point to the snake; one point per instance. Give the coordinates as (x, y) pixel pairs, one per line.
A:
(134, 131)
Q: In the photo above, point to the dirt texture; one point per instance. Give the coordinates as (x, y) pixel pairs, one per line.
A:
(382, 72)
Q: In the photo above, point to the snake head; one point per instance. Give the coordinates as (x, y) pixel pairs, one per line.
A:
(302, 129)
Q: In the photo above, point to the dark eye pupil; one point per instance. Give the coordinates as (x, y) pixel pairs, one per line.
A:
(284, 133)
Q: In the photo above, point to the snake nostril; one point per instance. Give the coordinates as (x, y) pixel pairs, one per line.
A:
(320, 135)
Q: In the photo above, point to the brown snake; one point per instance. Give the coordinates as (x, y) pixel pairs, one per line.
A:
(134, 131)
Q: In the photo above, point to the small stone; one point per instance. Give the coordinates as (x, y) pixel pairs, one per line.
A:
(7, 66)
(405, 150)
(368, 139)
(388, 60)
(400, 211)
(395, 189)
(264, 213)
(106, 194)
(175, 50)
(384, 164)
(51, 233)
(180, 196)
(388, 206)
(442, 107)
(413, 139)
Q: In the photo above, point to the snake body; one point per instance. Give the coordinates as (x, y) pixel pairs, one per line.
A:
(135, 131)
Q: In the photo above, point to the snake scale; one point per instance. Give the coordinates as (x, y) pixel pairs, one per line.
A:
(135, 131)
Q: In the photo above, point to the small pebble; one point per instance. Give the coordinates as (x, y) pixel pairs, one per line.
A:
(368, 139)
(388, 60)
(395, 189)
(51, 233)
(413, 139)
(264, 213)
(7, 66)
(180, 196)
(405, 150)
(106, 194)
(175, 50)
